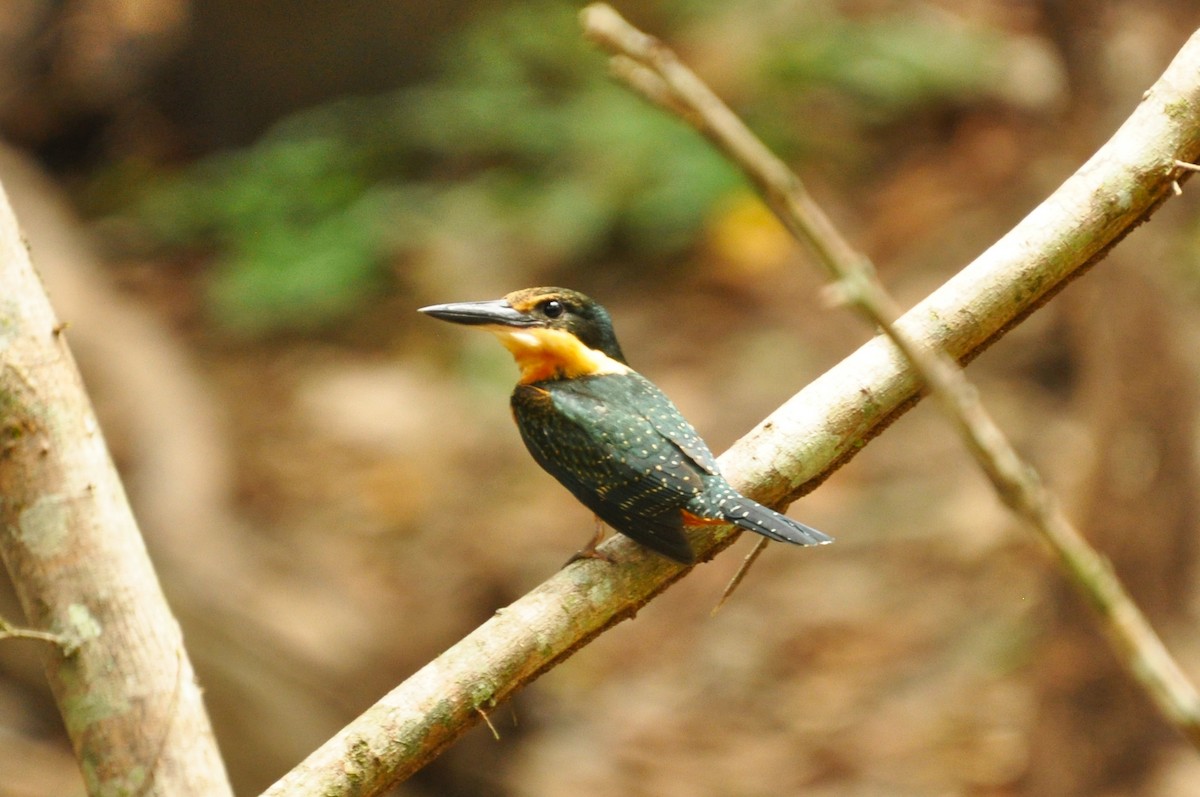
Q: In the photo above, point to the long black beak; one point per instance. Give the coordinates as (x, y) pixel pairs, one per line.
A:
(496, 312)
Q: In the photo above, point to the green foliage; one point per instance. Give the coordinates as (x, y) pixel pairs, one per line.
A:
(523, 127)
(296, 224)
(887, 64)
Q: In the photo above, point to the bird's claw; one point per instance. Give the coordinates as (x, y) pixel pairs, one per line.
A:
(589, 553)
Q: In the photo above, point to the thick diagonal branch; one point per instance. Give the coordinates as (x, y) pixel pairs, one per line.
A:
(787, 454)
(674, 86)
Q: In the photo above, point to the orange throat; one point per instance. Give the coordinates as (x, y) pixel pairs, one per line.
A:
(543, 354)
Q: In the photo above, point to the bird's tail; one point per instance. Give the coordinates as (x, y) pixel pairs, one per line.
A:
(753, 516)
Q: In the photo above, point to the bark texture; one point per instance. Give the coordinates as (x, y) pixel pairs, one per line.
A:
(122, 679)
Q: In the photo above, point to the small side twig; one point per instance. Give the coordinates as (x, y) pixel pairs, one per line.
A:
(1185, 166)
(1018, 485)
(735, 582)
(487, 720)
(10, 631)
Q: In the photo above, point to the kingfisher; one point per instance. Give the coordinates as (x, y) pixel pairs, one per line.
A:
(607, 433)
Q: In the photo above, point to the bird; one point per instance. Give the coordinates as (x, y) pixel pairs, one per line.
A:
(608, 434)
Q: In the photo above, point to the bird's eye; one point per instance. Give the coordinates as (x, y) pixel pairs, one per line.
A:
(553, 308)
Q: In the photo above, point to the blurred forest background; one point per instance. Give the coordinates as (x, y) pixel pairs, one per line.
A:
(237, 207)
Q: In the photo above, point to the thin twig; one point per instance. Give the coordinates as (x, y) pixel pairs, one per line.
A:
(488, 722)
(1016, 482)
(10, 631)
(760, 545)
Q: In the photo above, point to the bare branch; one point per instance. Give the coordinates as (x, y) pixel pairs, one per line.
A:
(1018, 485)
(124, 685)
(786, 455)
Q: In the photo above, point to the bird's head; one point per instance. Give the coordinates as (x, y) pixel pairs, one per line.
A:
(552, 332)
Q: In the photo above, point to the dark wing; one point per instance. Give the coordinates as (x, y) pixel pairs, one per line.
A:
(596, 436)
(666, 418)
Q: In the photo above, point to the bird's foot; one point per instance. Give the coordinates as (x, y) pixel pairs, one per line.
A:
(589, 551)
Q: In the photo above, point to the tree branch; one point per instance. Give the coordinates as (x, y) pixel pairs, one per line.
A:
(120, 675)
(786, 455)
(1018, 485)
